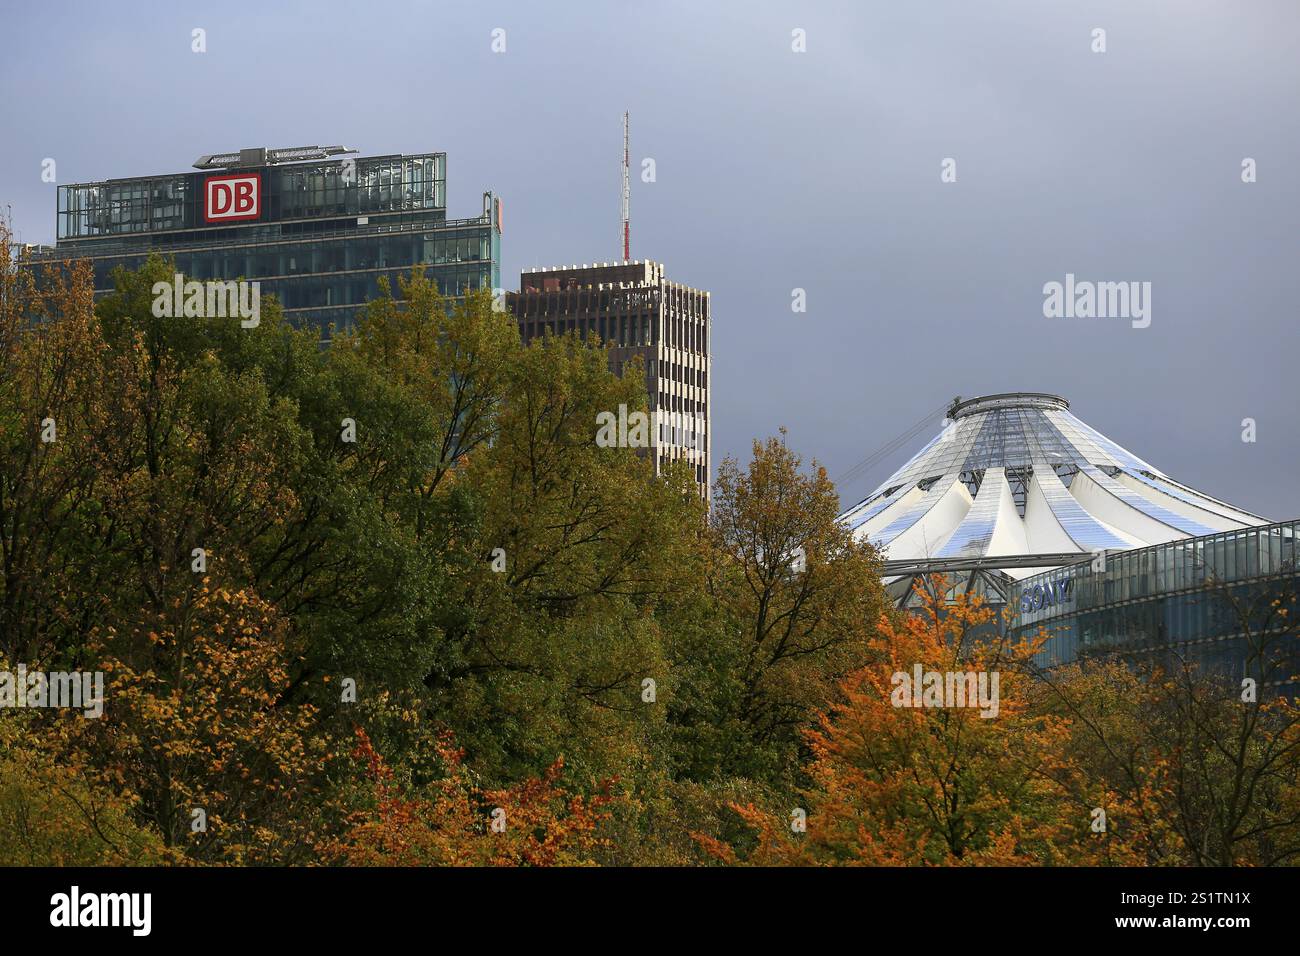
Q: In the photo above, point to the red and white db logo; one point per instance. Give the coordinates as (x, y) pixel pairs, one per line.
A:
(229, 198)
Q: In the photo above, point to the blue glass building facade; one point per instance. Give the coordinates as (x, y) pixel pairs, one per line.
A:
(1215, 601)
(323, 234)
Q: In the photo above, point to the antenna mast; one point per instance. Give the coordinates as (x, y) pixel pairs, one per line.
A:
(627, 198)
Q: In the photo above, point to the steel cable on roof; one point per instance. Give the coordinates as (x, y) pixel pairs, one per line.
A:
(866, 464)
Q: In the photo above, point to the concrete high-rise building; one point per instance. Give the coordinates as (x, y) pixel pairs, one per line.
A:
(635, 308)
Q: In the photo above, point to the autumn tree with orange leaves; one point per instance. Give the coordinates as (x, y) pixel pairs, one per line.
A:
(529, 622)
(453, 821)
(910, 778)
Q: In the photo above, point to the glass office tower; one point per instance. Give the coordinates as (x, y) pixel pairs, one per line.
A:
(1210, 600)
(316, 234)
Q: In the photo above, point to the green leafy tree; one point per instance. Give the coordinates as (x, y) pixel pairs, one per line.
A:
(787, 609)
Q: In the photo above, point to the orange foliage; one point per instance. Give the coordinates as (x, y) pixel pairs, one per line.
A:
(894, 784)
(451, 824)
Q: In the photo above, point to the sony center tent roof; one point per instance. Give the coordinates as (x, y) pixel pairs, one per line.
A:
(1016, 482)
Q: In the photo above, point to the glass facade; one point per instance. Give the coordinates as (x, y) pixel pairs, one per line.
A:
(357, 187)
(1200, 599)
(323, 234)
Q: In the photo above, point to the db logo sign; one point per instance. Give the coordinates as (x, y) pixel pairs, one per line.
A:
(229, 198)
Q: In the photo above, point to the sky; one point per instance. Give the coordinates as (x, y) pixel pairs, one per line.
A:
(779, 169)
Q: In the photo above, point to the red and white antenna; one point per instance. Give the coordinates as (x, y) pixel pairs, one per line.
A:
(627, 198)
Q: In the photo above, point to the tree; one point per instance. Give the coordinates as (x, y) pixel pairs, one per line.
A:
(786, 611)
(202, 742)
(561, 550)
(1209, 767)
(908, 772)
(454, 822)
(54, 426)
(55, 813)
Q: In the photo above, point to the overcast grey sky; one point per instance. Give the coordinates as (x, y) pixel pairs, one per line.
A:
(779, 170)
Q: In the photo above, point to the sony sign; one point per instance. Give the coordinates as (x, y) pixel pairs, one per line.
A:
(1045, 595)
(232, 198)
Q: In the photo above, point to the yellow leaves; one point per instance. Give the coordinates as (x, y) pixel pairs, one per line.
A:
(205, 727)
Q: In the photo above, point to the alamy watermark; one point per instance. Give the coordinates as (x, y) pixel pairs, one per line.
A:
(78, 690)
(75, 908)
(1098, 300)
(923, 688)
(209, 300)
(623, 430)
